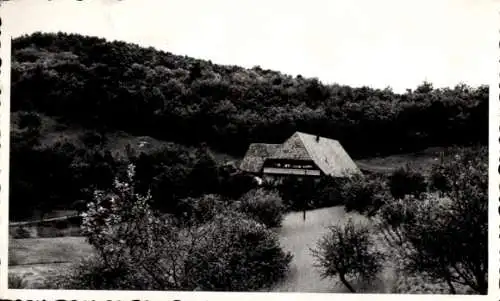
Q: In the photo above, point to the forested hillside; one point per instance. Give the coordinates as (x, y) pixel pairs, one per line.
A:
(143, 91)
(71, 94)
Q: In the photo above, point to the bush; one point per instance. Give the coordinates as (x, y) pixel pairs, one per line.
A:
(95, 274)
(328, 192)
(29, 120)
(363, 194)
(16, 282)
(201, 209)
(93, 139)
(21, 232)
(298, 194)
(139, 249)
(405, 181)
(265, 207)
(445, 238)
(235, 254)
(236, 184)
(347, 252)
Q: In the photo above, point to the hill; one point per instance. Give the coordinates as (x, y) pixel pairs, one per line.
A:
(146, 92)
(83, 108)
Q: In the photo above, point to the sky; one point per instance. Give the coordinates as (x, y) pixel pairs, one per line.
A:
(396, 43)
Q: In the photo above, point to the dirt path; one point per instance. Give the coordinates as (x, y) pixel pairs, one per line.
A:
(297, 236)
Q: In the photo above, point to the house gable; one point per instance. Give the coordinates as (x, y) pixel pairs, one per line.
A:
(256, 155)
(292, 149)
(301, 154)
(329, 155)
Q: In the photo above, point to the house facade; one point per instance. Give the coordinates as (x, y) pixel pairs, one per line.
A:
(301, 155)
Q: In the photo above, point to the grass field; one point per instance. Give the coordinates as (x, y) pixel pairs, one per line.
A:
(35, 259)
(421, 161)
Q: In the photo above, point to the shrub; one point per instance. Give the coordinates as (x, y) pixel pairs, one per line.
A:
(21, 232)
(298, 194)
(30, 120)
(363, 194)
(16, 282)
(93, 139)
(139, 249)
(235, 254)
(201, 209)
(405, 181)
(439, 180)
(236, 184)
(95, 274)
(445, 237)
(347, 252)
(264, 206)
(328, 192)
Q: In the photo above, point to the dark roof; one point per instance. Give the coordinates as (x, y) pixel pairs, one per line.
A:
(255, 156)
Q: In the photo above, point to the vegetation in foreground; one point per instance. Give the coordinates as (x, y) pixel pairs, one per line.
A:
(97, 87)
(441, 236)
(214, 248)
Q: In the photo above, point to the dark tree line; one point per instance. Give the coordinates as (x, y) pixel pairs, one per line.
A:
(144, 91)
(65, 175)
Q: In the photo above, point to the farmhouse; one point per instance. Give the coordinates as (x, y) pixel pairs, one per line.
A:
(301, 155)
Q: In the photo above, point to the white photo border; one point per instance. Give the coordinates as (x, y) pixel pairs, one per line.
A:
(41, 294)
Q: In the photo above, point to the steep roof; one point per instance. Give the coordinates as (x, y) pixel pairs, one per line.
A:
(292, 148)
(327, 154)
(256, 154)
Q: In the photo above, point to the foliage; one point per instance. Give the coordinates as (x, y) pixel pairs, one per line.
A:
(201, 209)
(91, 81)
(173, 172)
(347, 252)
(446, 237)
(264, 206)
(298, 194)
(29, 120)
(328, 192)
(361, 193)
(405, 181)
(21, 232)
(92, 140)
(234, 183)
(364, 194)
(16, 282)
(139, 249)
(44, 178)
(236, 254)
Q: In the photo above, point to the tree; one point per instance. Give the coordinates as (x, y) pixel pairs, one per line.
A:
(347, 252)
(265, 207)
(91, 81)
(137, 248)
(405, 181)
(364, 194)
(445, 237)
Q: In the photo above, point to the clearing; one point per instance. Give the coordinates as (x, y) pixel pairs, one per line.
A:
(35, 259)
